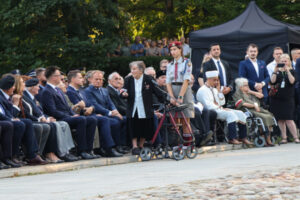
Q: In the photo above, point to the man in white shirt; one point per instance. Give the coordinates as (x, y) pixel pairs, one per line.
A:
(277, 52)
(213, 99)
(186, 47)
(295, 53)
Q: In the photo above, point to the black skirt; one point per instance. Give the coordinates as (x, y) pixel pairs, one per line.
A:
(141, 128)
(282, 109)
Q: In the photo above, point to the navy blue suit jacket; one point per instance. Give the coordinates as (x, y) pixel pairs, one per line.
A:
(297, 68)
(36, 110)
(55, 105)
(10, 110)
(247, 70)
(101, 101)
(75, 97)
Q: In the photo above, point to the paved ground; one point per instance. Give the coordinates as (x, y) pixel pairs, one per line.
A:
(240, 174)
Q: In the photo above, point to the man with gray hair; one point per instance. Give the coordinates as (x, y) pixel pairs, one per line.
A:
(295, 53)
(100, 99)
(112, 88)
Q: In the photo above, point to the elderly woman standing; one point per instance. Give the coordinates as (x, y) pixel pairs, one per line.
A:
(246, 98)
(139, 112)
(282, 103)
(177, 80)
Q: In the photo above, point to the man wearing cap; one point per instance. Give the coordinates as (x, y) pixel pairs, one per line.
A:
(23, 129)
(59, 141)
(212, 98)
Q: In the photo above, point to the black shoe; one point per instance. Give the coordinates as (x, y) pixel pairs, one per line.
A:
(102, 152)
(86, 156)
(121, 150)
(136, 151)
(69, 158)
(11, 163)
(3, 166)
(207, 138)
(94, 155)
(18, 161)
(113, 153)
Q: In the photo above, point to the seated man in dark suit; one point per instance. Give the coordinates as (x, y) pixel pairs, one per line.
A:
(76, 95)
(99, 98)
(255, 71)
(112, 88)
(216, 63)
(23, 129)
(6, 134)
(55, 105)
(40, 75)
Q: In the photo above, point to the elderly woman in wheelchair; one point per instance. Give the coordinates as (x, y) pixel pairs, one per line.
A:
(249, 101)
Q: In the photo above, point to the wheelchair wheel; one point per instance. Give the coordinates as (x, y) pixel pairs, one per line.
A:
(146, 154)
(191, 151)
(274, 139)
(178, 153)
(259, 141)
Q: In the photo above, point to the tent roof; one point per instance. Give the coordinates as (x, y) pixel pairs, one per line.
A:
(253, 22)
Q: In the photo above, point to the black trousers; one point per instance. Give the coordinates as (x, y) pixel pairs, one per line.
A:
(7, 130)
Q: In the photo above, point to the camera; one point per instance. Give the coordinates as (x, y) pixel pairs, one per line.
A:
(280, 65)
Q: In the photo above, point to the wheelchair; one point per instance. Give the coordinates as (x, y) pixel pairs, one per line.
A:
(254, 126)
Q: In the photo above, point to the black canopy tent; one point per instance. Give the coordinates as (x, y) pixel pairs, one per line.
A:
(252, 26)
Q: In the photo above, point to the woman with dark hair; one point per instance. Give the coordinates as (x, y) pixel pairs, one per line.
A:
(140, 89)
(177, 80)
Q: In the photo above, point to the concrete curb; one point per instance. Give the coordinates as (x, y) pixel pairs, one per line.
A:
(51, 168)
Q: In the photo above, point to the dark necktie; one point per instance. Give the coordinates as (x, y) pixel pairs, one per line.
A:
(220, 74)
(61, 95)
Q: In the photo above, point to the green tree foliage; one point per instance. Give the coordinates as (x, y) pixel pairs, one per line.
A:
(174, 18)
(80, 33)
(68, 33)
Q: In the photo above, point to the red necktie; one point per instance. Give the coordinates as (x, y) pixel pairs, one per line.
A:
(176, 70)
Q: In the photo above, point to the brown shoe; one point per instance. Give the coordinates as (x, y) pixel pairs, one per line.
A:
(247, 142)
(37, 161)
(234, 141)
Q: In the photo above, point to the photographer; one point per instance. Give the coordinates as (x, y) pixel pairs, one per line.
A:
(282, 101)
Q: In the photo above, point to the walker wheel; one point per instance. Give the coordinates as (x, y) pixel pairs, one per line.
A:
(159, 152)
(178, 153)
(259, 141)
(146, 154)
(191, 151)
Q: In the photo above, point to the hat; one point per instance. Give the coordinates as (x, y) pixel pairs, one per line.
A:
(7, 82)
(31, 73)
(211, 74)
(32, 82)
(16, 72)
(173, 44)
(160, 73)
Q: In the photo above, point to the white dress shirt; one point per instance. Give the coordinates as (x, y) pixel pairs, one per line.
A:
(254, 63)
(271, 66)
(138, 100)
(223, 69)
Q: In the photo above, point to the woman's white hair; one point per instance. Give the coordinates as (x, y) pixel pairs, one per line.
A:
(239, 82)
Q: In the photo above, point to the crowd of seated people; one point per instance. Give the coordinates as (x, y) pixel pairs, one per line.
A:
(47, 116)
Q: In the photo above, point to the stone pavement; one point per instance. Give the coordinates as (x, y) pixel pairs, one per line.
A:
(51, 168)
(260, 185)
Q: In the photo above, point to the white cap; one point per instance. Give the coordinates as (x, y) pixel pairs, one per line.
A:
(211, 74)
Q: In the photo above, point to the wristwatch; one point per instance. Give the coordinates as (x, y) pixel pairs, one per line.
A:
(180, 97)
